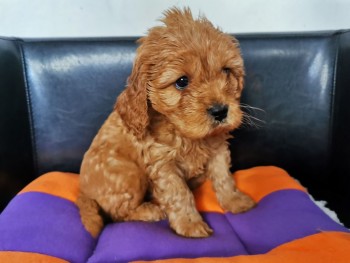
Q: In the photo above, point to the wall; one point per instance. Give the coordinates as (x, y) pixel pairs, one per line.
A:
(74, 18)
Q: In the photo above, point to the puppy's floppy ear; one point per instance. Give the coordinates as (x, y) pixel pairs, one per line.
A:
(132, 102)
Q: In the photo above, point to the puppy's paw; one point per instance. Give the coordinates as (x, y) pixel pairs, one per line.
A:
(158, 215)
(195, 229)
(93, 226)
(90, 215)
(238, 203)
(146, 212)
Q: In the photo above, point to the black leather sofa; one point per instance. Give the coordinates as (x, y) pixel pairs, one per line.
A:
(55, 94)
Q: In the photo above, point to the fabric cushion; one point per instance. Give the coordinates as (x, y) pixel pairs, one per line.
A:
(42, 223)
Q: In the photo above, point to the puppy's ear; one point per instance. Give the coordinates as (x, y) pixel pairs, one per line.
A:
(132, 102)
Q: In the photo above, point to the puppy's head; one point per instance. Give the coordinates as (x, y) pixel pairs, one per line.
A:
(188, 71)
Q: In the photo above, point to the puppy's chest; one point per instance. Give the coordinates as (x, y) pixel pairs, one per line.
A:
(190, 157)
(193, 159)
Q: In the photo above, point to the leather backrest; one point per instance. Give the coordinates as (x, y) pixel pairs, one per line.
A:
(291, 78)
(71, 86)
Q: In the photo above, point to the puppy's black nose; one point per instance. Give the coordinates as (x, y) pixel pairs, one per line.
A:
(218, 112)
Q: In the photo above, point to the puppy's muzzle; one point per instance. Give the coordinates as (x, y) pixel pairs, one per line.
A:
(218, 112)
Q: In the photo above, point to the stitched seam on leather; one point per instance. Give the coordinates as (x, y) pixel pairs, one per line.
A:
(29, 107)
(332, 105)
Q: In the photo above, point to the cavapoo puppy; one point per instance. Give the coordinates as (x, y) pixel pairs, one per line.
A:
(168, 131)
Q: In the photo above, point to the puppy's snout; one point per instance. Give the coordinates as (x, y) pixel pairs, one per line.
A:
(218, 111)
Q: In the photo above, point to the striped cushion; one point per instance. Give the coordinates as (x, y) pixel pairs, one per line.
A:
(42, 224)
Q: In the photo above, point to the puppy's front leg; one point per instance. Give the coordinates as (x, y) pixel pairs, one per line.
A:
(176, 199)
(229, 197)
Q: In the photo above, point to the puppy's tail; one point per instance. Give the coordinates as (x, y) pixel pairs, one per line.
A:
(91, 215)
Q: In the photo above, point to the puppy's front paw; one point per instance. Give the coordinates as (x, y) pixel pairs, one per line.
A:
(187, 228)
(238, 203)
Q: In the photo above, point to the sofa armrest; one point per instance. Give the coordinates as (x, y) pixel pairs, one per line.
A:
(16, 164)
(339, 178)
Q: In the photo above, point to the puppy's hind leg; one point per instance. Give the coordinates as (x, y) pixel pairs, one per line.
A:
(124, 199)
(147, 211)
(91, 215)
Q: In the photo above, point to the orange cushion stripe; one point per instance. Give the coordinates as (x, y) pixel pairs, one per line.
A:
(64, 185)
(257, 182)
(260, 181)
(27, 257)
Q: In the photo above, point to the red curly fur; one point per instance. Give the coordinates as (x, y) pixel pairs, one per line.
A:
(162, 140)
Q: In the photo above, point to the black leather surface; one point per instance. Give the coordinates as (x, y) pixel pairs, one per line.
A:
(16, 162)
(72, 87)
(300, 81)
(292, 80)
(339, 178)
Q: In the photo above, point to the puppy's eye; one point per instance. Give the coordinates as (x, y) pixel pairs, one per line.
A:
(181, 83)
(226, 70)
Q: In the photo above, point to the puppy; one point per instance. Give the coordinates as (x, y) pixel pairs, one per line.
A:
(168, 131)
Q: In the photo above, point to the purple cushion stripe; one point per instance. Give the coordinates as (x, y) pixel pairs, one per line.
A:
(280, 217)
(129, 241)
(46, 224)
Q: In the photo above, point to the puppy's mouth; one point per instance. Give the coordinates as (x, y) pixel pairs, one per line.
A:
(223, 125)
(216, 123)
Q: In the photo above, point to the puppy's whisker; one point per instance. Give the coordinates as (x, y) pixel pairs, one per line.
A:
(249, 120)
(251, 108)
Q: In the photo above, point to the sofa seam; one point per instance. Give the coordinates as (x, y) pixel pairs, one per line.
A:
(332, 103)
(30, 107)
